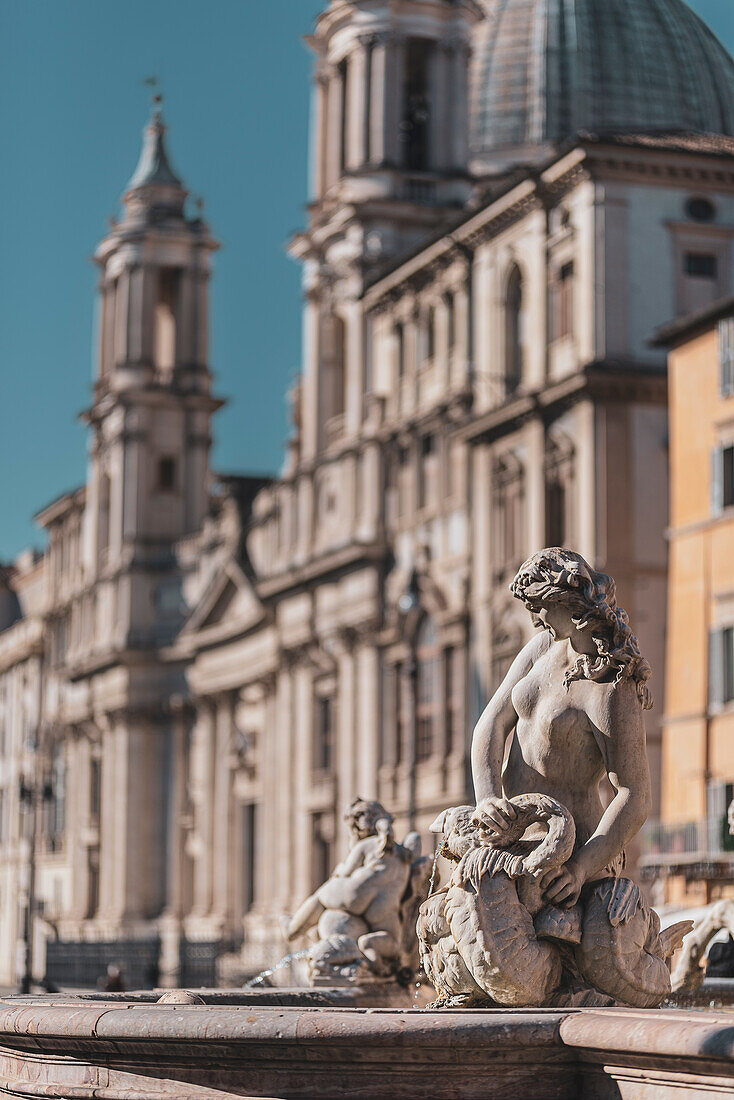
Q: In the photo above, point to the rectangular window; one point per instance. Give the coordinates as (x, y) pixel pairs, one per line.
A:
(249, 846)
(722, 476)
(322, 859)
(454, 698)
(166, 473)
(430, 345)
(343, 113)
(404, 501)
(428, 490)
(323, 734)
(399, 708)
(450, 303)
(400, 341)
(555, 513)
(701, 265)
(721, 666)
(414, 134)
(93, 882)
(166, 317)
(562, 303)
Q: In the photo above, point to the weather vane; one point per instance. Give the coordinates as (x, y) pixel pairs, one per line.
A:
(154, 84)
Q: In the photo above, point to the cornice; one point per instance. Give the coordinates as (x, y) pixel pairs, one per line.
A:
(329, 564)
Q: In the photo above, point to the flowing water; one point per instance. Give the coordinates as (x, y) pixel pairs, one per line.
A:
(285, 961)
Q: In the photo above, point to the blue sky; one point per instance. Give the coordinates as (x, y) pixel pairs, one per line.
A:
(72, 105)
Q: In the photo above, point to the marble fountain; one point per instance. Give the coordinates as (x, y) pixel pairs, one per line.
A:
(544, 966)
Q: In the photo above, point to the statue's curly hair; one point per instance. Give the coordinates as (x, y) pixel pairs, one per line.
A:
(556, 575)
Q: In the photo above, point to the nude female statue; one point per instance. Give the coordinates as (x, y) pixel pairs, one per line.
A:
(538, 910)
(574, 698)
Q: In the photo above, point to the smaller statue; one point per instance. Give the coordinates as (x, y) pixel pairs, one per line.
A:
(365, 912)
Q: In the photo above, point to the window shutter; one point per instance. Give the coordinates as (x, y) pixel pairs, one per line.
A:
(717, 481)
(727, 648)
(716, 668)
(726, 355)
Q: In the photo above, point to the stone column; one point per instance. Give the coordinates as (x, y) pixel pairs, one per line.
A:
(222, 810)
(135, 307)
(170, 924)
(113, 794)
(377, 105)
(78, 819)
(147, 321)
(356, 131)
(202, 317)
(535, 482)
(266, 886)
(302, 743)
(353, 367)
(583, 486)
(202, 797)
(368, 720)
(346, 745)
(370, 515)
(311, 398)
(108, 327)
(334, 125)
(122, 317)
(320, 123)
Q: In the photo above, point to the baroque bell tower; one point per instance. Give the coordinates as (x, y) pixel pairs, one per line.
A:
(390, 125)
(148, 483)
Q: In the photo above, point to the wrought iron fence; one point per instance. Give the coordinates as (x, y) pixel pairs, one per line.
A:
(708, 837)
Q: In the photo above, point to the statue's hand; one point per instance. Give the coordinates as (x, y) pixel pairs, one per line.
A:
(563, 885)
(496, 815)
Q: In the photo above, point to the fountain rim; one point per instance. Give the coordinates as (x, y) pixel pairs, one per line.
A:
(674, 1032)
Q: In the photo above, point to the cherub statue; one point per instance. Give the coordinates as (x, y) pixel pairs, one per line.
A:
(538, 910)
(365, 912)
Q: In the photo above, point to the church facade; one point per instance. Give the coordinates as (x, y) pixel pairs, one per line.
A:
(201, 672)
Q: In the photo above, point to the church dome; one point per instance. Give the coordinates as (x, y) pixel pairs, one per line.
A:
(547, 70)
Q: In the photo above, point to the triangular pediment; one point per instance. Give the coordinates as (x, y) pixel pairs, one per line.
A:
(228, 600)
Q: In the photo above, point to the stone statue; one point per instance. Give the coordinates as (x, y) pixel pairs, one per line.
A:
(365, 913)
(537, 910)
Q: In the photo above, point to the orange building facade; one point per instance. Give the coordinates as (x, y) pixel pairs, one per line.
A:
(691, 853)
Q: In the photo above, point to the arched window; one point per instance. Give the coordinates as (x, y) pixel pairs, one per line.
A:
(166, 318)
(514, 331)
(428, 695)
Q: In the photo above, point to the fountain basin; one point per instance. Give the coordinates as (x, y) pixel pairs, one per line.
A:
(238, 1045)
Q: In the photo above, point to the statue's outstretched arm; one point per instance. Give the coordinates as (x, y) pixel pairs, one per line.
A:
(498, 721)
(353, 862)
